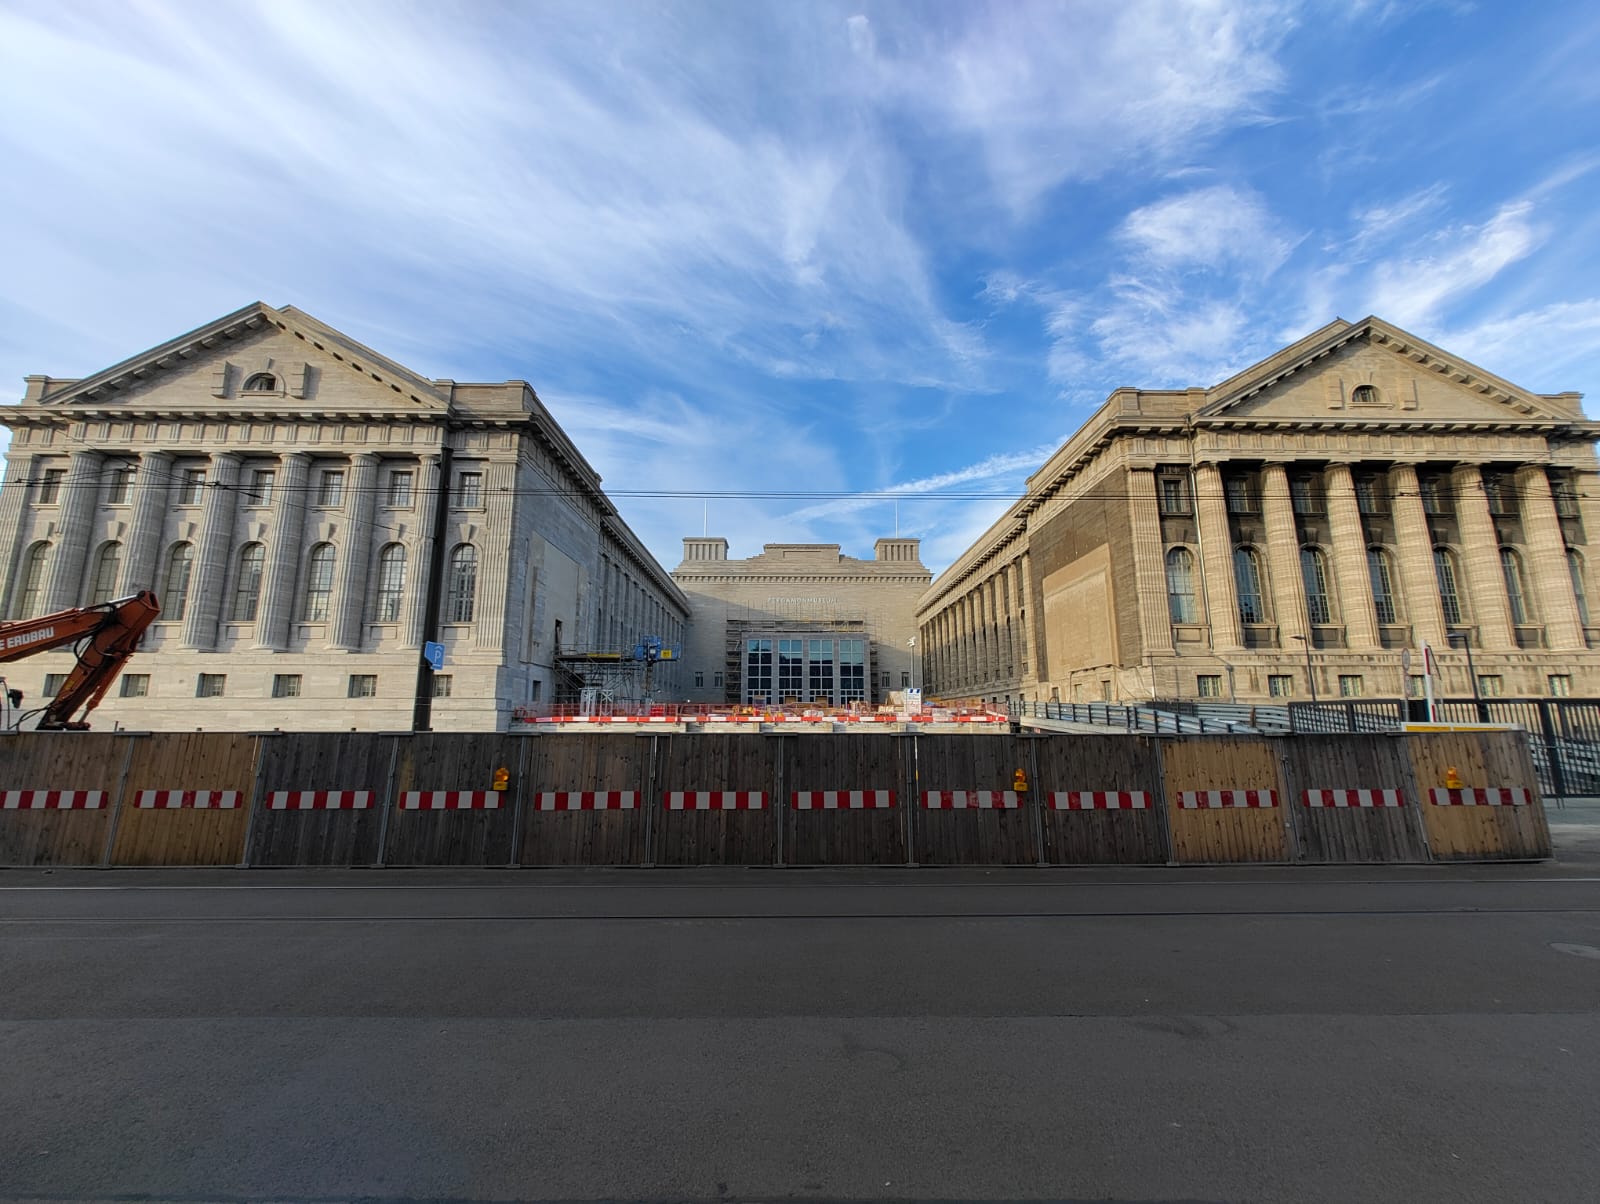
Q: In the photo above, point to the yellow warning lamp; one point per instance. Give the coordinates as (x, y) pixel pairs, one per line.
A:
(1452, 779)
(502, 778)
(1019, 782)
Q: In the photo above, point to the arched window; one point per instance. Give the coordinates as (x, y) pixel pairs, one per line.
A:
(1180, 586)
(1445, 569)
(1579, 591)
(462, 584)
(247, 585)
(1516, 593)
(319, 584)
(1314, 572)
(261, 382)
(1364, 395)
(391, 583)
(175, 591)
(1380, 568)
(30, 598)
(1247, 580)
(107, 564)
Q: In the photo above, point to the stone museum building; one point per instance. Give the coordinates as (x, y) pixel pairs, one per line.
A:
(800, 623)
(1302, 528)
(310, 512)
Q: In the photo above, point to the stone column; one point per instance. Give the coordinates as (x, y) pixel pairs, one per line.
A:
(13, 493)
(1283, 560)
(350, 588)
(1480, 553)
(1149, 563)
(151, 492)
(1550, 580)
(1030, 660)
(1417, 577)
(1349, 539)
(285, 546)
(82, 491)
(429, 483)
(206, 600)
(1216, 559)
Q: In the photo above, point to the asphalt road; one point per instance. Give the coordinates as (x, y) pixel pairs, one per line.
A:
(1404, 1034)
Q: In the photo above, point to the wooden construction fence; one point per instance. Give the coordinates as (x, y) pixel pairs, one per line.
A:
(763, 799)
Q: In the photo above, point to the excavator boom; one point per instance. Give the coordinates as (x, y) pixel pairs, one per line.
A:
(104, 636)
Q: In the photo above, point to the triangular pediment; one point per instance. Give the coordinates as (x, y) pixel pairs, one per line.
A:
(1371, 371)
(256, 359)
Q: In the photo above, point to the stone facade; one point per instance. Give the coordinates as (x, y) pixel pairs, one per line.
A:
(1299, 527)
(752, 619)
(279, 487)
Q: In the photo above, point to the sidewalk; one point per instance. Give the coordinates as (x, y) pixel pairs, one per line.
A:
(1574, 826)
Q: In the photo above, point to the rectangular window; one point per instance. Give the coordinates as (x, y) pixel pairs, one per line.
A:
(1565, 494)
(1241, 497)
(791, 670)
(442, 683)
(534, 689)
(1560, 685)
(469, 490)
(1351, 685)
(1372, 494)
(135, 685)
(716, 679)
(1174, 495)
(1435, 496)
(1208, 685)
(905, 680)
(119, 483)
(400, 487)
(852, 670)
(330, 487)
(210, 685)
(286, 685)
(1500, 495)
(362, 685)
(699, 679)
(50, 485)
(261, 482)
(1491, 685)
(1414, 686)
(193, 487)
(1280, 685)
(758, 671)
(1305, 492)
(53, 683)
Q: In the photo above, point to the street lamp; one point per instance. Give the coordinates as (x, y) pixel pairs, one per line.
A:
(1310, 677)
(1466, 643)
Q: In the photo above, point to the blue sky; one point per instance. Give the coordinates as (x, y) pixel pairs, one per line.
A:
(812, 247)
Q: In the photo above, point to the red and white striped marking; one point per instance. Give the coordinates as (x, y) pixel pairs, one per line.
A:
(842, 800)
(1480, 796)
(174, 800)
(450, 800)
(1100, 800)
(715, 800)
(959, 800)
(319, 800)
(1207, 800)
(1353, 798)
(586, 800)
(52, 800)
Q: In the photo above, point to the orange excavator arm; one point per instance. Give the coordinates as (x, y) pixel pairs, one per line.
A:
(104, 636)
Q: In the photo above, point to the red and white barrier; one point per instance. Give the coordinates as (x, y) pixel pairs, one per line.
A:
(841, 800)
(319, 800)
(1207, 800)
(959, 800)
(52, 800)
(715, 800)
(1099, 800)
(1480, 796)
(586, 800)
(1353, 798)
(174, 800)
(450, 800)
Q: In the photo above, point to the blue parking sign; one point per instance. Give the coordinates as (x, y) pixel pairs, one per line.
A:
(434, 655)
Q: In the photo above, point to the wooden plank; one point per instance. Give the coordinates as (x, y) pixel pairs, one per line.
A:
(578, 763)
(320, 761)
(58, 761)
(452, 761)
(186, 761)
(714, 761)
(1479, 759)
(1101, 763)
(843, 837)
(1235, 834)
(975, 836)
(1351, 834)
